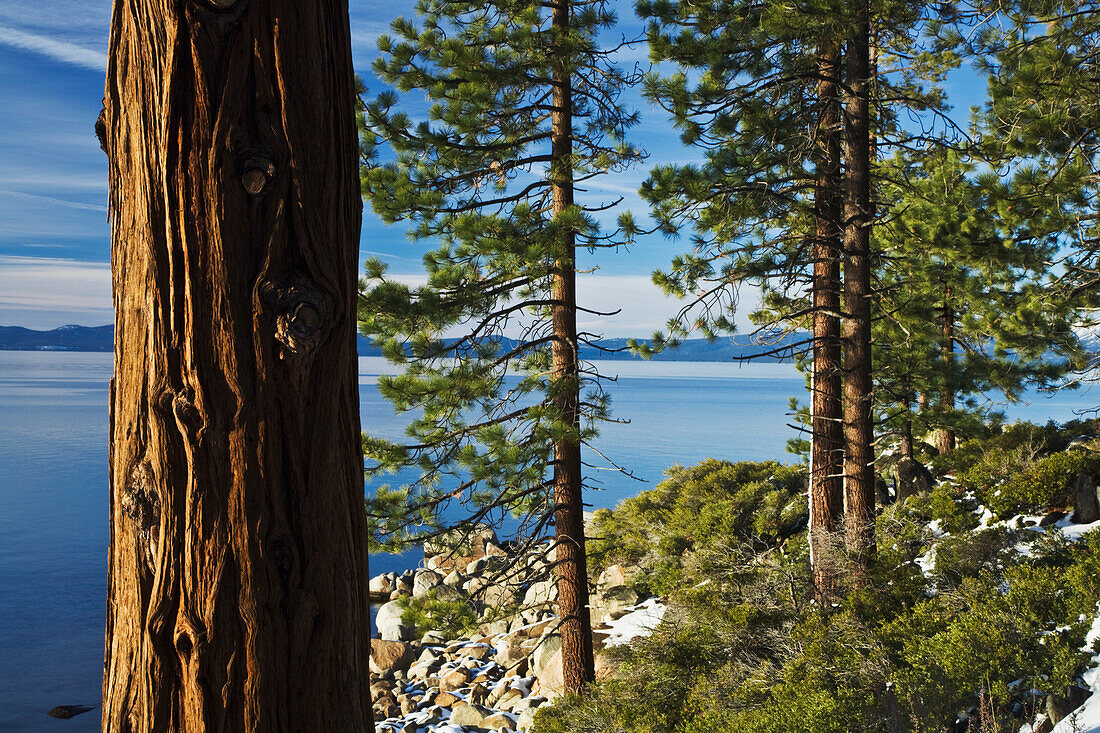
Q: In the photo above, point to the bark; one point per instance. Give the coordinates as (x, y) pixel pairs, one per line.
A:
(859, 475)
(578, 664)
(238, 566)
(827, 451)
(945, 437)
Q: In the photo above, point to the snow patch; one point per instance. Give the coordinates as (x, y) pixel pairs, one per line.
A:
(638, 623)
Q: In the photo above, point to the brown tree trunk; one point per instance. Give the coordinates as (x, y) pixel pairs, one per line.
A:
(827, 446)
(578, 665)
(859, 475)
(945, 437)
(238, 563)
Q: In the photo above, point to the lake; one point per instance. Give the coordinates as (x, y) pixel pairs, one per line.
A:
(53, 491)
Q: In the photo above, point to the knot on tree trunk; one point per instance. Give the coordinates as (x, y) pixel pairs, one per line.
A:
(302, 314)
(140, 500)
(141, 503)
(187, 414)
(258, 171)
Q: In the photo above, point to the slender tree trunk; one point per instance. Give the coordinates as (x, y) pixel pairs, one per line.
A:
(827, 452)
(238, 565)
(945, 437)
(578, 666)
(859, 475)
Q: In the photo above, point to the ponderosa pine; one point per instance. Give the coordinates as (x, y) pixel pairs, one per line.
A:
(523, 105)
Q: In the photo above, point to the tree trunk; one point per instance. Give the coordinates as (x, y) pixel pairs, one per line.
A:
(827, 446)
(859, 475)
(945, 437)
(238, 562)
(578, 665)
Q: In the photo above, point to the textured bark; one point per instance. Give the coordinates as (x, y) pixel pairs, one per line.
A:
(578, 662)
(238, 568)
(945, 437)
(827, 447)
(859, 475)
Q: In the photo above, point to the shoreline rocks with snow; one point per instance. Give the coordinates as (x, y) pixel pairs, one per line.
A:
(496, 677)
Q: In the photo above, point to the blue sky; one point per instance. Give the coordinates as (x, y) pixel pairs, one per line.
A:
(54, 239)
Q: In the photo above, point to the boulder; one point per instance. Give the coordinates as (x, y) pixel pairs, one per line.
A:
(1051, 517)
(497, 721)
(454, 578)
(432, 637)
(605, 667)
(64, 712)
(507, 700)
(425, 580)
(548, 646)
(541, 592)
(381, 586)
(1059, 706)
(1084, 443)
(389, 623)
(465, 544)
(454, 679)
(1086, 507)
(447, 593)
(615, 575)
(479, 652)
(912, 478)
(526, 719)
(613, 600)
(551, 676)
(446, 699)
(388, 657)
(465, 714)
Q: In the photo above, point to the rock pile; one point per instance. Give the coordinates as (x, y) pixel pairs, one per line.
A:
(495, 678)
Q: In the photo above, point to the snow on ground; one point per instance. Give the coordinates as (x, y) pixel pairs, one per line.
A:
(639, 622)
(1074, 531)
(1086, 719)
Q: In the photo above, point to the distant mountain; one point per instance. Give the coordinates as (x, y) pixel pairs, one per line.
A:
(66, 338)
(101, 338)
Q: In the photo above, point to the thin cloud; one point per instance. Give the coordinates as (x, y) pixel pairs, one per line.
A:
(63, 51)
(52, 200)
(46, 292)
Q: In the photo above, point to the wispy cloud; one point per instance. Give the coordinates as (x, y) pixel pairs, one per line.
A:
(46, 292)
(63, 51)
(639, 306)
(52, 200)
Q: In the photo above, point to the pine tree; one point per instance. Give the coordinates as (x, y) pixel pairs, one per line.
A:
(954, 264)
(238, 575)
(760, 96)
(759, 91)
(859, 471)
(1041, 124)
(523, 106)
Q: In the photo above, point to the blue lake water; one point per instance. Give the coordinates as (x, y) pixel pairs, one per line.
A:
(53, 491)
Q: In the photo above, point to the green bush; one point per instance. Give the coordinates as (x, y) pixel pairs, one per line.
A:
(694, 508)
(451, 617)
(1046, 483)
(745, 649)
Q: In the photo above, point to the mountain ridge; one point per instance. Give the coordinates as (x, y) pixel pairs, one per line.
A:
(101, 339)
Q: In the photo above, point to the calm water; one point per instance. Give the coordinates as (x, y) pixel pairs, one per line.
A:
(53, 492)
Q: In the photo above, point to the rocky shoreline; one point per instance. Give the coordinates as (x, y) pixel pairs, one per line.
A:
(496, 676)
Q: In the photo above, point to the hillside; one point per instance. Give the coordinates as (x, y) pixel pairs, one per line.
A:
(101, 338)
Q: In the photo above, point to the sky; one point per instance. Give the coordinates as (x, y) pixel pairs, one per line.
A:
(54, 237)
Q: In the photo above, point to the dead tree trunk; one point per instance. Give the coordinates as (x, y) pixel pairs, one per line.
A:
(238, 566)
(827, 451)
(859, 474)
(577, 656)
